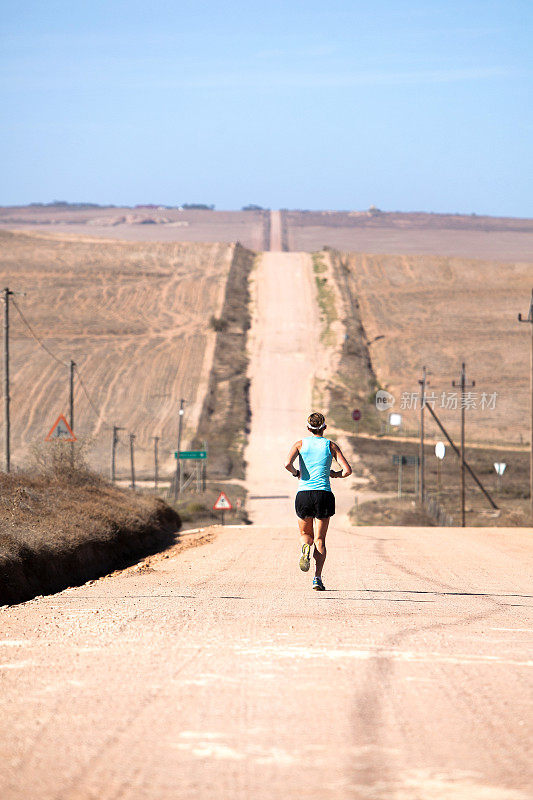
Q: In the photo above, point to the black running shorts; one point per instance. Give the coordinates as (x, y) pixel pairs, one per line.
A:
(314, 503)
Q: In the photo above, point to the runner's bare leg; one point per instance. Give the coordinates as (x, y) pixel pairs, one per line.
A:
(306, 530)
(320, 545)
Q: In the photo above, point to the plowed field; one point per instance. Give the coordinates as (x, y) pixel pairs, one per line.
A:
(134, 316)
(438, 312)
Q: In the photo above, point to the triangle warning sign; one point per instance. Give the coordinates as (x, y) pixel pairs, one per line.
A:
(222, 503)
(61, 430)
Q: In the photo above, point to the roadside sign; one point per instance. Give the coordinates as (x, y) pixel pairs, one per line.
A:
(440, 450)
(61, 431)
(222, 503)
(197, 455)
(395, 419)
(356, 414)
(499, 466)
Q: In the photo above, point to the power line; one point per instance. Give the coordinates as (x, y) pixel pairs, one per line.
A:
(93, 406)
(59, 361)
(37, 339)
(52, 355)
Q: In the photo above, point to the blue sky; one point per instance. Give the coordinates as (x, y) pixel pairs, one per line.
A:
(407, 105)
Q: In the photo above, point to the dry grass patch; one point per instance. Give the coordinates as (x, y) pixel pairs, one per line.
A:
(382, 475)
(57, 531)
(225, 418)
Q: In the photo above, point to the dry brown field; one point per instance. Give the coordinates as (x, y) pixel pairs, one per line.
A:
(433, 310)
(437, 311)
(444, 234)
(469, 236)
(250, 228)
(134, 317)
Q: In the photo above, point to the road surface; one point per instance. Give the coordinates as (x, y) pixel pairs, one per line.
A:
(217, 674)
(284, 347)
(275, 230)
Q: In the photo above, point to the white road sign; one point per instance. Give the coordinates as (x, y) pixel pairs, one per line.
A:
(440, 450)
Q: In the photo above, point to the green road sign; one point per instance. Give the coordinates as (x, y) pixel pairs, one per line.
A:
(196, 455)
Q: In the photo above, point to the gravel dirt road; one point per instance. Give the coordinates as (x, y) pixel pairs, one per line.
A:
(216, 673)
(284, 342)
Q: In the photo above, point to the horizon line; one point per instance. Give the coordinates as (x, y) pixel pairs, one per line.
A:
(249, 207)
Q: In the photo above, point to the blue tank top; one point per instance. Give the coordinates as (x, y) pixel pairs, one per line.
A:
(315, 464)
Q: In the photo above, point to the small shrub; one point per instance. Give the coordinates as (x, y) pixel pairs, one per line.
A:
(64, 462)
(195, 508)
(218, 323)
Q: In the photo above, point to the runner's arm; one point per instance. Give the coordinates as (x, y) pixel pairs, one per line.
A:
(295, 450)
(346, 469)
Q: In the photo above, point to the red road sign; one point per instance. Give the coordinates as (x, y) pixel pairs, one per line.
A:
(356, 414)
(61, 430)
(222, 503)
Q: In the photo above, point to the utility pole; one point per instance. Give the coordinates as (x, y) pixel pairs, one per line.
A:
(72, 367)
(7, 419)
(458, 454)
(132, 462)
(463, 385)
(204, 469)
(421, 481)
(116, 429)
(530, 320)
(178, 463)
(156, 461)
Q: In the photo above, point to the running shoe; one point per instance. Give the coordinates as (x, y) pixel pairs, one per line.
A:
(318, 585)
(304, 561)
